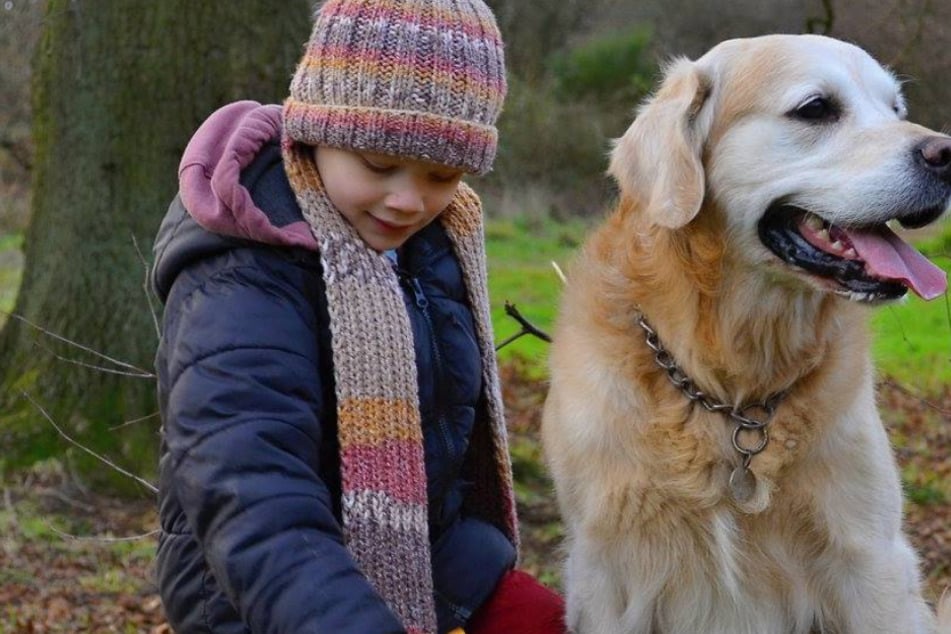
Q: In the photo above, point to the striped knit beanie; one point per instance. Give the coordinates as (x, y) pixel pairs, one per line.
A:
(422, 79)
(427, 83)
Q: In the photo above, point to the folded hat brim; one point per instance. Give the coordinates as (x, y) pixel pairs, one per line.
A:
(423, 136)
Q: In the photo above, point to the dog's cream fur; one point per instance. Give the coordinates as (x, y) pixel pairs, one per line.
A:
(656, 544)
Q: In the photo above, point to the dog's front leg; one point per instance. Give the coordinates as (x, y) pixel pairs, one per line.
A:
(603, 600)
(869, 572)
(878, 591)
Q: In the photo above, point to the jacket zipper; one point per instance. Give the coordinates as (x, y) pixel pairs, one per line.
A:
(422, 303)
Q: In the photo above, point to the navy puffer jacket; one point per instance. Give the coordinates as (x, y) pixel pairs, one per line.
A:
(249, 472)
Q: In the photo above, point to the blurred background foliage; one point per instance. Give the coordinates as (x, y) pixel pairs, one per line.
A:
(577, 70)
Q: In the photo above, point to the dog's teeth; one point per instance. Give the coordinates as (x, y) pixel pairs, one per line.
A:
(813, 222)
(824, 234)
(850, 253)
(836, 246)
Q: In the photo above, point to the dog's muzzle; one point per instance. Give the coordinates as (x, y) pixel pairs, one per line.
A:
(868, 263)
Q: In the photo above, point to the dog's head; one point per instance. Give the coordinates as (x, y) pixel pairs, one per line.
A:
(801, 142)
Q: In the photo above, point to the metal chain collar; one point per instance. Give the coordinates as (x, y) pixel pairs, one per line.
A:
(741, 417)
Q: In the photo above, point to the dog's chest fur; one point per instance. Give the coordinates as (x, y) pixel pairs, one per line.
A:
(672, 508)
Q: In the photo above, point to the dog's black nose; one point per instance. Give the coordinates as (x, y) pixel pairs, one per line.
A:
(934, 154)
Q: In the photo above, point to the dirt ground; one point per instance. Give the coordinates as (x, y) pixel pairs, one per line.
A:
(67, 563)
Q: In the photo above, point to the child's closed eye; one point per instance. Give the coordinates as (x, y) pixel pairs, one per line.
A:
(445, 177)
(377, 165)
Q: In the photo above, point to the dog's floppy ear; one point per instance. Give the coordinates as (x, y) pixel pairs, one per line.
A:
(658, 160)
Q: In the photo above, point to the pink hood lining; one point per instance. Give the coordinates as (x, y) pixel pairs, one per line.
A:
(226, 143)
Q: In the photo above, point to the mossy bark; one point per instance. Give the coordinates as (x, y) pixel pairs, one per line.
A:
(119, 86)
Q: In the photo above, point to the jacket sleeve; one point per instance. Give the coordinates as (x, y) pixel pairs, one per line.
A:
(242, 430)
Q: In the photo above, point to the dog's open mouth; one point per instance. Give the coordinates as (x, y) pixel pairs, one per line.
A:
(867, 263)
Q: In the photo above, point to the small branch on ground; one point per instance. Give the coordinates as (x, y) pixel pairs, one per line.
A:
(527, 327)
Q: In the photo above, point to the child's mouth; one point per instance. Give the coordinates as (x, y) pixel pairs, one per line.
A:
(388, 226)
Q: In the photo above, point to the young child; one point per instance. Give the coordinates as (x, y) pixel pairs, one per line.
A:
(334, 456)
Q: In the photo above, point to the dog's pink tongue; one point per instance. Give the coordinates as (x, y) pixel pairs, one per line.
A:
(889, 257)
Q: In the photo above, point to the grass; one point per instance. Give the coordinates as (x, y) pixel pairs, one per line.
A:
(913, 343)
(913, 338)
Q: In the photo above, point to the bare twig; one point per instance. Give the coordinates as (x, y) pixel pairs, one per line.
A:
(527, 327)
(92, 453)
(102, 540)
(92, 366)
(898, 322)
(135, 420)
(559, 272)
(907, 392)
(121, 364)
(146, 289)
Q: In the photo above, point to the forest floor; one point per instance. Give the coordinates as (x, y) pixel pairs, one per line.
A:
(67, 563)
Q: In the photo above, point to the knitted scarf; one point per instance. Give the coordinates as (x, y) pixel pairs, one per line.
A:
(383, 474)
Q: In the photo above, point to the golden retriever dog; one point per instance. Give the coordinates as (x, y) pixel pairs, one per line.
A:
(711, 426)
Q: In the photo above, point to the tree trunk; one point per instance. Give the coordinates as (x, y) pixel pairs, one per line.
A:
(119, 86)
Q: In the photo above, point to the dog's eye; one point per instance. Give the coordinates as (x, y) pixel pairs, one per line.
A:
(816, 109)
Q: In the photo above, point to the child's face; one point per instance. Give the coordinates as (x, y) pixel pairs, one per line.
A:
(386, 199)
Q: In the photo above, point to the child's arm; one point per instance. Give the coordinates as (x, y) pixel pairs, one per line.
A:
(244, 442)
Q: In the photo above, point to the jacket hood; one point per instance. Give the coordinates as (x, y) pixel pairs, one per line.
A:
(233, 191)
(210, 181)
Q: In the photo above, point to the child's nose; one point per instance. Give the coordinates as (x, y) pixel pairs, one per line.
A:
(408, 199)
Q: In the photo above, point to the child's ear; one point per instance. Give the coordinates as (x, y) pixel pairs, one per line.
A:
(658, 161)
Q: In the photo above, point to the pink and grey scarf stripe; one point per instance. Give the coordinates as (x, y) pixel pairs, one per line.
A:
(381, 445)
